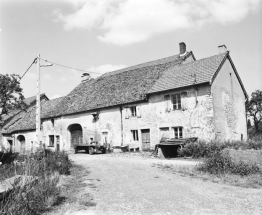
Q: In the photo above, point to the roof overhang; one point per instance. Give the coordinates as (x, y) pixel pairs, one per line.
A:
(227, 56)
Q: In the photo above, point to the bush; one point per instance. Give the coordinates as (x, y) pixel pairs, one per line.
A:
(7, 157)
(218, 164)
(204, 149)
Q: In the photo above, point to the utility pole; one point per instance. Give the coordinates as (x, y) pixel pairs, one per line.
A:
(38, 107)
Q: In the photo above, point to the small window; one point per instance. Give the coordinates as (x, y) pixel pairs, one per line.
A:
(53, 122)
(178, 132)
(51, 140)
(133, 111)
(176, 100)
(135, 135)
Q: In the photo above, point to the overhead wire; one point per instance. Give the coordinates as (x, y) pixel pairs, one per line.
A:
(68, 67)
(35, 60)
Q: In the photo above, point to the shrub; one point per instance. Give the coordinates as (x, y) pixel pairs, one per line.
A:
(217, 164)
(7, 157)
(203, 149)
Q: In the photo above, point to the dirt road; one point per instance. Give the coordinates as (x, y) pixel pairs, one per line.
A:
(133, 185)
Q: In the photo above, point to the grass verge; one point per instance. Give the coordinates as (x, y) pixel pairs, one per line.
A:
(35, 189)
(74, 192)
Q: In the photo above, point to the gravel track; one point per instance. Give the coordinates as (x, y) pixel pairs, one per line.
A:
(132, 185)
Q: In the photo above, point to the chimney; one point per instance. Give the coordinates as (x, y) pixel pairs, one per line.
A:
(182, 47)
(85, 77)
(222, 49)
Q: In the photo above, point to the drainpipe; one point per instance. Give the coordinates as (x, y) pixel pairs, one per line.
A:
(121, 114)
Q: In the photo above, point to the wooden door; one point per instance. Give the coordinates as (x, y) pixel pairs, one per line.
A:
(11, 147)
(145, 139)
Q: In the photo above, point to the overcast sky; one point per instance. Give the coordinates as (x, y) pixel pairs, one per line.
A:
(105, 35)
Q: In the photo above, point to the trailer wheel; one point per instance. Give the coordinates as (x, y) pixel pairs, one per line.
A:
(91, 150)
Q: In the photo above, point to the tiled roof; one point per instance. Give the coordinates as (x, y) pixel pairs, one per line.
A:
(119, 87)
(31, 99)
(27, 101)
(199, 71)
(26, 120)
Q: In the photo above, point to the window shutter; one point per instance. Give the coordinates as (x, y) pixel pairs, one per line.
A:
(127, 113)
(167, 103)
(184, 100)
(138, 111)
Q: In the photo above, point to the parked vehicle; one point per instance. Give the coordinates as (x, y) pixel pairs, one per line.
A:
(92, 148)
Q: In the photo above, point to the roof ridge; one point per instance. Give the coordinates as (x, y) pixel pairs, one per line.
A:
(180, 75)
(141, 65)
(206, 58)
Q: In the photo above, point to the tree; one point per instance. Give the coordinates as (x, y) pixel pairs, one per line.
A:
(254, 108)
(11, 94)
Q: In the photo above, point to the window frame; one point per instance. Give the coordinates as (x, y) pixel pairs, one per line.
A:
(51, 143)
(178, 132)
(133, 111)
(135, 136)
(176, 103)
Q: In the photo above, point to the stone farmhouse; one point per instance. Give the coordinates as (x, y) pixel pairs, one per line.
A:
(176, 97)
(16, 114)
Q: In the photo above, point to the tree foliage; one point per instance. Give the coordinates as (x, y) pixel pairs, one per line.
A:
(254, 108)
(11, 94)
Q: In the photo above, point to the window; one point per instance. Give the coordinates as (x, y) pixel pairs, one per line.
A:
(53, 122)
(176, 100)
(178, 132)
(133, 111)
(51, 140)
(135, 135)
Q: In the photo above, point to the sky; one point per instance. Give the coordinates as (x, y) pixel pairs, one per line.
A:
(105, 35)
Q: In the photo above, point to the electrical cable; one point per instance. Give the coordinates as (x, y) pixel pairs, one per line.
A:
(68, 67)
(35, 61)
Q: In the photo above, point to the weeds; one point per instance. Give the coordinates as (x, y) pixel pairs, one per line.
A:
(39, 195)
(222, 164)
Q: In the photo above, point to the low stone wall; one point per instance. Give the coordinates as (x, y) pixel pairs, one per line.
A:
(246, 156)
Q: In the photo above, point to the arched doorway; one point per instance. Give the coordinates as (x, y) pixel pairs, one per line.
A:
(76, 134)
(21, 140)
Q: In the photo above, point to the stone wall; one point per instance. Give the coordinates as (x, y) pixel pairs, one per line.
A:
(196, 119)
(108, 124)
(229, 105)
